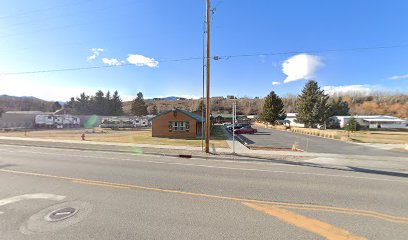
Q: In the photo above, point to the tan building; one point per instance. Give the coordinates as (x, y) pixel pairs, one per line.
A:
(177, 123)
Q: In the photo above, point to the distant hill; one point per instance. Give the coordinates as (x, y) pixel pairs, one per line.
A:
(26, 103)
(396, 105)
(166, 98)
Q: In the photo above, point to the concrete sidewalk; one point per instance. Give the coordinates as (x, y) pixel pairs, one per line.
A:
(242, 153)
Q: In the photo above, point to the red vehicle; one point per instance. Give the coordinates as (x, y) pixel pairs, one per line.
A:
(245, 130)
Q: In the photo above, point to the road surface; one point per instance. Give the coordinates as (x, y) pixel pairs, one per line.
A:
(282, 139)
(105, 195)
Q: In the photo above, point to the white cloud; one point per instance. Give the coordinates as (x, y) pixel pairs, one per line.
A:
(276, 83)
(301, 67)
(364, 90)
(112, 61)
(140, 60)
(95, 53)
(398, 77)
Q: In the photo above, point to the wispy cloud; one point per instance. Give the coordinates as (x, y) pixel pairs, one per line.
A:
(112, 61)
(140, 60)
(398, 77)
(364, 90)
(276, 83)
(301, 67)
(95, 53)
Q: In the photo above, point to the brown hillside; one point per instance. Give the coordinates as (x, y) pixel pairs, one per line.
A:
(370, 105)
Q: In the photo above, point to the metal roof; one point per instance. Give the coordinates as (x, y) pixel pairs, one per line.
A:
(383, 120)
(192, 115)
(226, 115)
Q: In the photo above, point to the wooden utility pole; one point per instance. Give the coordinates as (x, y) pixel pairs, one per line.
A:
(207, 98)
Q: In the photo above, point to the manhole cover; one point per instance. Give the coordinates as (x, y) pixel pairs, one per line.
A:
(61, 214)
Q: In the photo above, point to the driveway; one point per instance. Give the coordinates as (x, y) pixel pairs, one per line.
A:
(281, 139)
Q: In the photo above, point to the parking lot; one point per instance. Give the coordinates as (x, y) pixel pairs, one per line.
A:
(285, 140)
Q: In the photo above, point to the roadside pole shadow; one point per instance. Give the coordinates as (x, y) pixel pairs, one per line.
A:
(246, 158)
(380, 172)
(7, 165)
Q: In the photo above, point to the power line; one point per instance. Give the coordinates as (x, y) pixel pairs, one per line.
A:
(226, 57)
(223, 57)
(98, 67)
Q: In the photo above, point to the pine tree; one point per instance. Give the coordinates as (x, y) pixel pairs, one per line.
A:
(56, 106)
(139, 107)
(321, 110)
(352, 125)
(107, 108)
(116, 104)
(273, 108)
(311, 105)
(98, 103)
(83, 105)
(154, 110)
(338, 107)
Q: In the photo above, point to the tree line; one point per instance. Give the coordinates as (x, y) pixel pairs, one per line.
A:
(313, 107)
(107, 105)
(99, 104)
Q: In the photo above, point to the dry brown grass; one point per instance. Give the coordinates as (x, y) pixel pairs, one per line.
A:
(99, 135)
(388, 137)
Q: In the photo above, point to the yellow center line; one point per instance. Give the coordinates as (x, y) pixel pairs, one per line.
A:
(99, 184)
(373, 214)
(323, 229)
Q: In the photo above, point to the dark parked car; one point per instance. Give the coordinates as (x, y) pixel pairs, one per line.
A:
(238, 126)
(245, 130)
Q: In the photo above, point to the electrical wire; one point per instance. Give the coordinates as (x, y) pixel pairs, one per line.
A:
(98, 67)
(224, 57)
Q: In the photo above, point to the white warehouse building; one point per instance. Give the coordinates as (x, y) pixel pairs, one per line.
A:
(374, 121)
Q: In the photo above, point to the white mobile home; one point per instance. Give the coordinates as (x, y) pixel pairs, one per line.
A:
(291, 117)
(373, 121)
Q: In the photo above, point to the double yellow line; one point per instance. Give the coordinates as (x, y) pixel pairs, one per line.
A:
(311, 207)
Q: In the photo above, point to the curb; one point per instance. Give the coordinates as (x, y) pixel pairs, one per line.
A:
(181, 153)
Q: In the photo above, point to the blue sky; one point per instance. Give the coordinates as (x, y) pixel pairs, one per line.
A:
(49, 34)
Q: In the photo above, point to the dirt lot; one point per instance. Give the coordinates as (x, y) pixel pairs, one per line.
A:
(122, 136)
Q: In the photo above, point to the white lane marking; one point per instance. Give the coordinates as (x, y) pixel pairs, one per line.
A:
(47, 196)
(221, 167)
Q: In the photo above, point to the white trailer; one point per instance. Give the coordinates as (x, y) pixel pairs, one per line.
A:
(141, 122)
(53, 121)
(44, 121)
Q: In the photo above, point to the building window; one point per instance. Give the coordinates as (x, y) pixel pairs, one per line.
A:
(179, 126)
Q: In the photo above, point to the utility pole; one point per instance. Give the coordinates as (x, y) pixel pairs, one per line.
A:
(207, 99)
(203, 97)
(234, 117)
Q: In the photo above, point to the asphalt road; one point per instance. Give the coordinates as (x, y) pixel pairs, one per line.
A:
(281, 139)
(130, 196)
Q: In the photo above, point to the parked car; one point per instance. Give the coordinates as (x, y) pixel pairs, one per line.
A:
(238, 126)
(242, 130)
